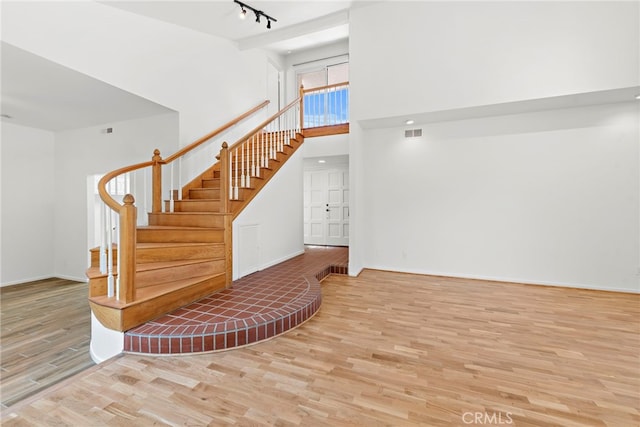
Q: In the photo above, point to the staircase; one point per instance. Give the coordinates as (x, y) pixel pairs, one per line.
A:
(184, 253)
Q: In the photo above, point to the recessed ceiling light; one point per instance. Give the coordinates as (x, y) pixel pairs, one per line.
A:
(409, 122)
(637, 96)
(322, 161)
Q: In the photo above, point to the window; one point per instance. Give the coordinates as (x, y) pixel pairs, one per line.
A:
(326, 106)
(328, 75)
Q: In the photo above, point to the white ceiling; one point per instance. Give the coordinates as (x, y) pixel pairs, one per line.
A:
(300, 24)
(67, 99)
(611, 96)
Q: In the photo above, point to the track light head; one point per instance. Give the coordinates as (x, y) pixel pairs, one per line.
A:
(245, 7)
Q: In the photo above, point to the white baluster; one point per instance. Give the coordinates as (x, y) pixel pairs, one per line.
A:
(110, 284)
(230, 175)
(260, 159)
(270, 135)
(346, 95)
(242, 181)
(145, 179)
(235, 191)
(171, 189)
(253, 155)
(118, 264)
(103, 239)
(179, 178)
(262, 142)
(248, 168)
(339, 101)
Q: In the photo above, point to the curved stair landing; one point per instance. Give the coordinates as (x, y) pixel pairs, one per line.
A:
(258, 307)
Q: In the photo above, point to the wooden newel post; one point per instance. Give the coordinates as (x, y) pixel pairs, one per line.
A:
(156, 204)
(224, 178)
(301, 108)
(127, 250)
(225, 193)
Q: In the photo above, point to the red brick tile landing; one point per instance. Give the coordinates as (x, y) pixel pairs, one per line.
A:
(257, 307)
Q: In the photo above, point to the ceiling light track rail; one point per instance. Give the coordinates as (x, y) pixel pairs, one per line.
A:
(258, 13)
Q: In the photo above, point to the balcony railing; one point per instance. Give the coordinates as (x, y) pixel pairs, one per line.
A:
(325, 106)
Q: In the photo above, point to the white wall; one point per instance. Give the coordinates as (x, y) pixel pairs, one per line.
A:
(550, 197)
(357, 188)
(277, 211)
(312, 60)
(331, 145)
(203, 77)
(89, 151)
(105, 343)
(28, 196)
(449, 55)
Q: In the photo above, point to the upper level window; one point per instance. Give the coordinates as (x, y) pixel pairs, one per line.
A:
(326, 100)
(328, 75)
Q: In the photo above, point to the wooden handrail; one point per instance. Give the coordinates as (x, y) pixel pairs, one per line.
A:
(127, 212)
(319, 88)
(102, 184)
(215, 132)
(265, 123)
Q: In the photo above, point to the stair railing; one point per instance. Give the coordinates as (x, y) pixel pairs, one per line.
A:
(243, 161)
(325, 105)
(119, 221)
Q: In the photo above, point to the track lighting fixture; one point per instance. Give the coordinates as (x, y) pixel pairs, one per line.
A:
(243, 12)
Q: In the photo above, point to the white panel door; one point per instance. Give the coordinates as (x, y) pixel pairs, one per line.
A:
(326, 207)
(337, 207)
(315, 189)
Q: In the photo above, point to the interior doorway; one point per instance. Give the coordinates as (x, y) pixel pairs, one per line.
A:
(326, 201)
(274, 88)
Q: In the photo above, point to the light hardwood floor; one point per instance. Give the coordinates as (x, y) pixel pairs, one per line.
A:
(387, 349)
(45, 332)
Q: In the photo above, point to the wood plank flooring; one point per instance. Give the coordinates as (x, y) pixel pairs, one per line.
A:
(45, 334)
(387, 349)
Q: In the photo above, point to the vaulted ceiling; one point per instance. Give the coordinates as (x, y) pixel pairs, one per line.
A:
(300, 24)
(61, 103)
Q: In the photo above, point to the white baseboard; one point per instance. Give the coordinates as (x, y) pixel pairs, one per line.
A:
(505, 279)
(82, 279)
(26, 280)
(281, 259)
(35, 279)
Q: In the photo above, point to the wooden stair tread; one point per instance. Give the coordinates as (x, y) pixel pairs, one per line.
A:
(174, 244)
(180, 253)
(94, 272)
(191, 213)
(175, 227)
(184, 199)
(148, 293)
(169, 264)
